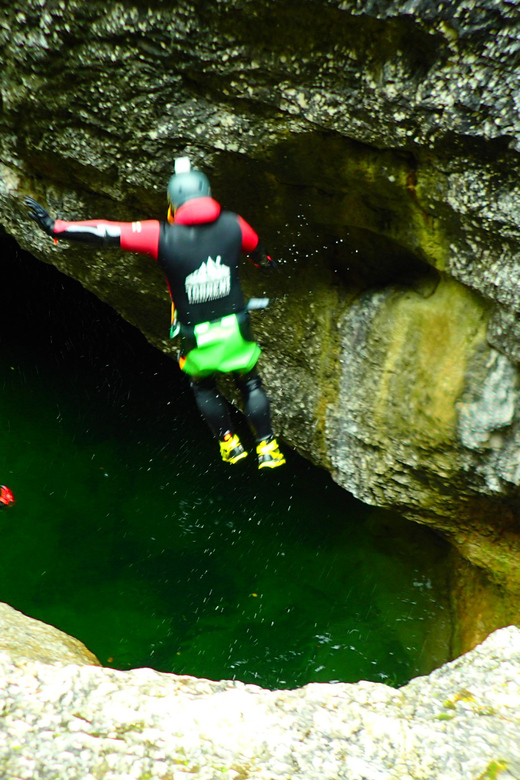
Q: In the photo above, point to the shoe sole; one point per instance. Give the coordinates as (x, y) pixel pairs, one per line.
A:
(236, 458)
(272, 464)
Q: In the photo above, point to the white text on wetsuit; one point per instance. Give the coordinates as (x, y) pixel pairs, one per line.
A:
(209, 282)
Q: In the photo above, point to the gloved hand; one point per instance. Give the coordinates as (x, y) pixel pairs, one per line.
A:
(40, 216)
(261, 259)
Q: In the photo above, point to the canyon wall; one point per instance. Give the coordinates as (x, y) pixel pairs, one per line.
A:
(375, 148)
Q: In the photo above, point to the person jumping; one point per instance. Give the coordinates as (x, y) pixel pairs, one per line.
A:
(198, 248)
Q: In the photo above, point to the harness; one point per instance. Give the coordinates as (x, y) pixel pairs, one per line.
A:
(219, 345)
(223, 345)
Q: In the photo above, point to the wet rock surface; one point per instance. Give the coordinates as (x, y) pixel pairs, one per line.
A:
(71, 720)
(375, 148)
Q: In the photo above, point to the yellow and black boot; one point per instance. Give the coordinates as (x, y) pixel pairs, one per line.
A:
(269, 455)
(231, 449)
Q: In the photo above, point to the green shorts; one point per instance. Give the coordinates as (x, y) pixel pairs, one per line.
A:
(220, 346)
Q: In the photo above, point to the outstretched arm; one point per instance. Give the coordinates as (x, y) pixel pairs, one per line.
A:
(133, 236)
(251, 246)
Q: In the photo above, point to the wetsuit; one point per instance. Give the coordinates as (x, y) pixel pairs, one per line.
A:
(200, 254)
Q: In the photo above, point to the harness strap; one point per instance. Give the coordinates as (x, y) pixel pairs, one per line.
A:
(175, 326)
(189, 331)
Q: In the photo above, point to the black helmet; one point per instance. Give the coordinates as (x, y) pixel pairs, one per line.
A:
(186, 184)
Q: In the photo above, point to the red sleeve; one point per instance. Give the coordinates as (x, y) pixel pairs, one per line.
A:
(141, 237)
(249, 237)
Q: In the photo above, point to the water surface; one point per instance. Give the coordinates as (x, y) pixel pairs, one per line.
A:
(131, 535)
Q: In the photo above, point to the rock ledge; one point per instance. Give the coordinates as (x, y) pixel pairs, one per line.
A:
(82, 721)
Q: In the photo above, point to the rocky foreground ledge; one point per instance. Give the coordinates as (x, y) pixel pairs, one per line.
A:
(64, 720)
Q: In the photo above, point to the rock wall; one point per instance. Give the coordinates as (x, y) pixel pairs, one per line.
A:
(62, 719)
(24, 638)
(376, 148)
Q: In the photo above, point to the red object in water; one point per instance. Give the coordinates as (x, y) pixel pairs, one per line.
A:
(6, 496)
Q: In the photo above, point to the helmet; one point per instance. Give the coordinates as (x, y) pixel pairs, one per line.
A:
(186, 184)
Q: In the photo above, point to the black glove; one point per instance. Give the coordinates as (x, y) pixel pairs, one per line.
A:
(40, 216)
(272, 263)
(261, 259)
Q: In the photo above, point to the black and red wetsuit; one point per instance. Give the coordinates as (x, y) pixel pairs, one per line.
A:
(199, 254)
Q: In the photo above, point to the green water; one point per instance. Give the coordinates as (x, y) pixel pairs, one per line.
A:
(131, 535)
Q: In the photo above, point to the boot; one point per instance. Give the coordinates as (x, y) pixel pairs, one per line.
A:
(231, 449)
(269, 455)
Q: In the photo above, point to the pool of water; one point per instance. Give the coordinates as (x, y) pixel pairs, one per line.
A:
(131, 535)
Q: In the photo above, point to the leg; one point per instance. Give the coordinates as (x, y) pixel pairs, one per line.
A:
(213, 407)
(257, 411)
(256, 404)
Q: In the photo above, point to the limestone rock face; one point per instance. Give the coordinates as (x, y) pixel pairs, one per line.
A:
(80, 721)
(23, 637)
(375, 146)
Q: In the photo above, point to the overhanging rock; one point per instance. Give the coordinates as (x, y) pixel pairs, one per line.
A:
(375, 147)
